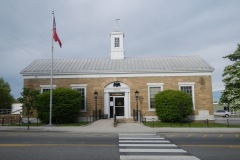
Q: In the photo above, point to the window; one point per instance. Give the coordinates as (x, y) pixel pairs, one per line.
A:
(82, 90)
(117, 43)
(189, 89)
(153, 89)
(46, 88)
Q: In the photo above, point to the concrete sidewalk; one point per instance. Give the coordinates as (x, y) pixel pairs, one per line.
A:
(106, 126)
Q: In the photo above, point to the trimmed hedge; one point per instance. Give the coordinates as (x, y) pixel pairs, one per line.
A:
(66, 105)
(173, 105)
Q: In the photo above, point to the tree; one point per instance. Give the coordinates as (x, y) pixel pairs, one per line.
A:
(66, 105)
(173, 105)
(28, 99)
(6, 99)
(231, 80)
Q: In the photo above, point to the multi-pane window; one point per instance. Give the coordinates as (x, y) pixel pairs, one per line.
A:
(189, 89)
(153, 89)
(46, 88)
(117, 42)
(152, 92)
(83, 96)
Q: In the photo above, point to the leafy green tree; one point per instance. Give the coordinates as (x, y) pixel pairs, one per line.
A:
(66, 105)
(173, 105)
(28, 99)
(231, 79)
(6, 99)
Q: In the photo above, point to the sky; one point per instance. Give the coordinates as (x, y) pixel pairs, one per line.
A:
(152, 28)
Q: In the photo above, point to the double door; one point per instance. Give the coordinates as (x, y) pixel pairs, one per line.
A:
(116, 106)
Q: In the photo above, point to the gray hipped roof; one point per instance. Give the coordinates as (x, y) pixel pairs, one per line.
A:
(186, 64)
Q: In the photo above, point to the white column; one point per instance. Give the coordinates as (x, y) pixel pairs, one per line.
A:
(129, 106)
(106, 103)
(126, 105)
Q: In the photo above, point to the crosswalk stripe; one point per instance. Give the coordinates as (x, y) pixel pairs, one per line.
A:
(152, 150)
(150, 157)
(140, 134)
(147, 145)
(143, 141)
(138, 138)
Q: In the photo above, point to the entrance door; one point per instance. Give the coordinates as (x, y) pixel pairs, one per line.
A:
(119, 106)
(116, 106)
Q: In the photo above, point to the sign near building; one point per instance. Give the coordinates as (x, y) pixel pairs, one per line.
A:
(117, 94)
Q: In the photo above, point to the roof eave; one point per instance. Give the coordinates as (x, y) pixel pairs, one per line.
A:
(113, 72)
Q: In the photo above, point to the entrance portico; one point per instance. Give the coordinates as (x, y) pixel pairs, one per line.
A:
(117, 100)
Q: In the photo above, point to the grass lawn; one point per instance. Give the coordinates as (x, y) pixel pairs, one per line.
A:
(192, 124)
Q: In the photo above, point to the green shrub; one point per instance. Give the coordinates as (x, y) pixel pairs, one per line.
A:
(66, 104)
(173, 105)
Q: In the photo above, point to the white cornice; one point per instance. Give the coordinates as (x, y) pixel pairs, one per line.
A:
(118, 75)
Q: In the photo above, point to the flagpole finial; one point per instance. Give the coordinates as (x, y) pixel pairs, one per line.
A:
(52, 12)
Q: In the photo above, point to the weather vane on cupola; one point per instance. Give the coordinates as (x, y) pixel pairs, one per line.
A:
(117, 23)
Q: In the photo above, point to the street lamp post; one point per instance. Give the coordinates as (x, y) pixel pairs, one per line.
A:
(96, 96)
(137, 96)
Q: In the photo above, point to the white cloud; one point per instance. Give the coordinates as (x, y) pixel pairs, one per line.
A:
(152, 28)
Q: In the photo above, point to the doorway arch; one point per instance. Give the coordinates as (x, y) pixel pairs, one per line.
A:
(117, 100)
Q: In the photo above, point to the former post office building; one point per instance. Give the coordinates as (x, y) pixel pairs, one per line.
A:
(116, 79)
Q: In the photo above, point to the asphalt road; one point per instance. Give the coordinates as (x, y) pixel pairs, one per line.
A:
(206, 146)
(94, 146)
(58, 145)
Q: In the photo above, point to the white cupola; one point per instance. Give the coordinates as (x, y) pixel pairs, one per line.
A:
(117, 51)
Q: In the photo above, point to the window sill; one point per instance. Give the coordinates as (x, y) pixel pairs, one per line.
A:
(151, 110)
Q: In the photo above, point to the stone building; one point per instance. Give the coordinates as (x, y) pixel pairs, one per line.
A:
(117, 78)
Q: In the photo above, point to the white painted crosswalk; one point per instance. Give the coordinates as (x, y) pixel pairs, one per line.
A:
(140, 146)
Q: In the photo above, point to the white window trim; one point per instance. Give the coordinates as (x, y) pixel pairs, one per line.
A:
(192, 84)
(153, 85)
(186, 83)
(46, 87)
(76, 86)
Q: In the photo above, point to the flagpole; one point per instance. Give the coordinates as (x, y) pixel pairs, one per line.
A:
(51, 81)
